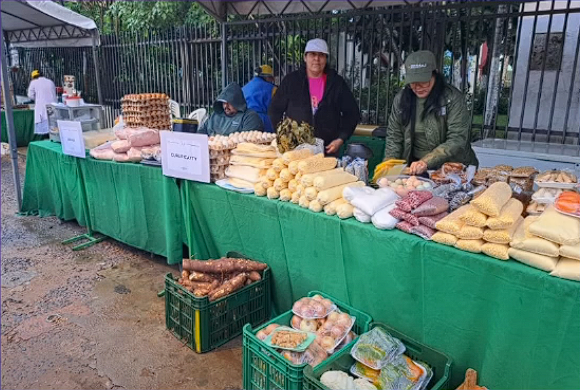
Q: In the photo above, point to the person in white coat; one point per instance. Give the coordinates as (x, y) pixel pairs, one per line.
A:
(42, 91)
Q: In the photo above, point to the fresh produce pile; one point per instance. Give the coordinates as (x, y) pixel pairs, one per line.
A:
(318, 316)
(221, 148)
(381, 362)
(147, 110)
(290, 134)
(219, 278)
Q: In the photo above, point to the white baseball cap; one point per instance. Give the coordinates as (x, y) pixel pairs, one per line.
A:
(316, 45)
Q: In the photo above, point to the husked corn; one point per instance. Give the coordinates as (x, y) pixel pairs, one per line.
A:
(493, 199)
(293, 155)
(444, 238)
(286, 175)
(470, 245)
(332, 180)
(285, 195)
(293, 167)
(295, 198)
(508, 216)
(345, 211)
(330, 209)
(259, 189)
(280, 184)
(311, 165)
(474, 217)
(292, 184)
(271, 174)
(278, 164)
(303, 202)
(502, 236)
(452, 223)
(311, 193)
(315, 206)
(499, 251)
(272, 193)
(307, 180)
(327, 196)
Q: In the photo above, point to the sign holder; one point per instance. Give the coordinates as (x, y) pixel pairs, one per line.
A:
(185, 156)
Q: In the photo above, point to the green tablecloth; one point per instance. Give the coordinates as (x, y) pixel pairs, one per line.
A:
(518, 326)
(53, 185)
(131, 203)
(23, 125)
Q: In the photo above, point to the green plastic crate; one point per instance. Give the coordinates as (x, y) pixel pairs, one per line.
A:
(342, 361)
(266, 369)
(205, 325)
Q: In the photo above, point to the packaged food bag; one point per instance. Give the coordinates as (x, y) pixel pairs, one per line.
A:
(361, 216)
(444, 238)
(377, 348)
(493, 199)
(508, 216)
(433, 206)
(370, 204)
(423, 231)
(404, 226)
(567, 269)
(383, 219)
(523, 240)
(417, 198)
(545, 263)
(474, 217)
(452, 223)
(431, 220)
(473, 246)
(502, 236)
(470, 233)
(499, 251)
(557, 227)
(570, 251)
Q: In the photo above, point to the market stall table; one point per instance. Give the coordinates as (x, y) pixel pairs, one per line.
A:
(131, 203)
(518, 326)
(24, 126)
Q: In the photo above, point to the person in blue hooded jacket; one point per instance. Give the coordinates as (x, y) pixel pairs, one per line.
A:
(258, 93)
(231, 114)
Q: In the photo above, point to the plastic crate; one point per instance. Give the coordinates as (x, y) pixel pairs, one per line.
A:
(342, 361)
(205, 325)
(267, 369)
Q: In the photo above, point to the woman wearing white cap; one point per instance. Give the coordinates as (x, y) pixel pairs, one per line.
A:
(317, 95)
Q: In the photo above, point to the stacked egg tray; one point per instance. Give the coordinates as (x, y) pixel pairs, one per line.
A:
(221, 146)
(147, 110)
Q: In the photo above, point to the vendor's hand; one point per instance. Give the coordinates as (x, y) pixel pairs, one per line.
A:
(334, 146)
(418, 167)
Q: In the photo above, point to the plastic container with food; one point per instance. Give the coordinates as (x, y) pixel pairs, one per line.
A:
(563, 179)
(569, 203)
(403, 184)
(377, 348)
(286, 338)
(546, 195)
(313, 307)
(334, 330)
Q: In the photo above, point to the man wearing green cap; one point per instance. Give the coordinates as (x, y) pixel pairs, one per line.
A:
(429, 123)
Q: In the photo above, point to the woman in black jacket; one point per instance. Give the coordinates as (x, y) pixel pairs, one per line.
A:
(317, 95)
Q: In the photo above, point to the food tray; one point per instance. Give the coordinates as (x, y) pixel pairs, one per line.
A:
(299, 348)
(266, 369)
(342, 361)
(203, 325)
(562, 186)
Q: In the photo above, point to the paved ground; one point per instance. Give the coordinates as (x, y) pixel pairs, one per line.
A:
(91, 319)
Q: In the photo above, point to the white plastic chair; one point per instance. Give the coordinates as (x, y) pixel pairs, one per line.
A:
(200, 115)
(174, 107)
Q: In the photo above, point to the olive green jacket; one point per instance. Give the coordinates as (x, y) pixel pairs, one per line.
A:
(448, 135)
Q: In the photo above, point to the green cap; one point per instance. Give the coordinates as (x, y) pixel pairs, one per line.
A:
(419, 67)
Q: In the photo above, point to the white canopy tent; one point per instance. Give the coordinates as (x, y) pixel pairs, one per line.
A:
(27, 23)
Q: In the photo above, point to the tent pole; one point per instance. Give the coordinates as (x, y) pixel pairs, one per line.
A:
(10, 122)
(96, 63)
(224, 54)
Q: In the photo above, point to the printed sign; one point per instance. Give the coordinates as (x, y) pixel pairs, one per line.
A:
(185, 156)
(71, 138)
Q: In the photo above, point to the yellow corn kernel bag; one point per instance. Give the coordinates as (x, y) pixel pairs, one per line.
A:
(470, 233)
(444, 238)
(493, 199)
(473, 217)
(502, 236)
(473, 246)
(452, 223)
(508, 216)
(499, 251)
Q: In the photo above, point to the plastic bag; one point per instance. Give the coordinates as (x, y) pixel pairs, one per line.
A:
(404, 204)
(361, 216)
(459, 199)
(398, 213)
(404, 226)
(370, 204)
(349, 193)
(403, 374)
(433, 206)
(423, 231)
(383, 219)
(412, 219)
(377, 348)
(417, 198)
(317, 148)
(310, 308)
(334, 330)
(431, 220)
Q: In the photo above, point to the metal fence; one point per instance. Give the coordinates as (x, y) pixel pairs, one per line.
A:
(517, 62)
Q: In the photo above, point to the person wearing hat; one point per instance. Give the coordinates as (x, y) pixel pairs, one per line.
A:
(429, 123)
(42, 91)
(231, 114)
(317, 95)
(258, 93)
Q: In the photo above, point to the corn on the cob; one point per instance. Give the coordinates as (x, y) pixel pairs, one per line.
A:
(295, 198)
(272, 193)
(327, 196)
(286, 175)
(303, 202)
(280, 184)
(311, 193)
(313, 164)
(285, 195)
(288, 157)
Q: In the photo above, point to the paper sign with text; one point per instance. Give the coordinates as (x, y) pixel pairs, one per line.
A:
(185, 155)
(71, 138)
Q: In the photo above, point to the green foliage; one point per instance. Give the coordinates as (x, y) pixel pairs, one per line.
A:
(503, 102)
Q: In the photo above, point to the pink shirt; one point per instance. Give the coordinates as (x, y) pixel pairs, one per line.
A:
(316, 86)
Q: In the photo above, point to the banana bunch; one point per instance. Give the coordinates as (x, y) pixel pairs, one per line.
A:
(383, 168)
